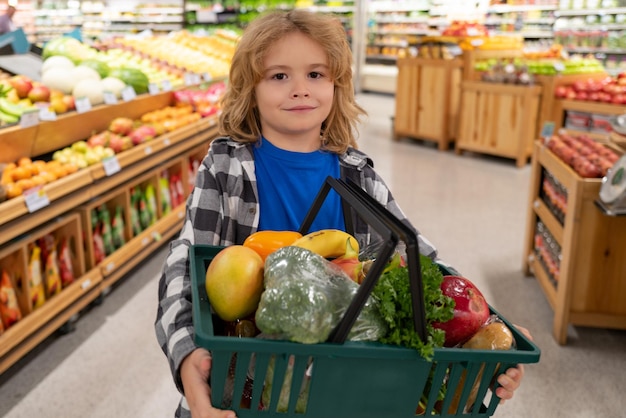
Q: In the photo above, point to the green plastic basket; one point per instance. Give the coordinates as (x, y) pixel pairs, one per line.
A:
(349, 379)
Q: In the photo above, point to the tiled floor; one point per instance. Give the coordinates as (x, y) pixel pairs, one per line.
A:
(472, 207)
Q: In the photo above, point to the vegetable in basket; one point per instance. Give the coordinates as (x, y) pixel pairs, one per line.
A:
(305, 297)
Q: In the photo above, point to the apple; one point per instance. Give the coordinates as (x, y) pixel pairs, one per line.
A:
(39, 93)
(471, 310)
(22, 85)
(69, 102)
(560, 92)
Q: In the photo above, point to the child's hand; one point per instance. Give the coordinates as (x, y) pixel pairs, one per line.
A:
(194, 372)
(511, 379)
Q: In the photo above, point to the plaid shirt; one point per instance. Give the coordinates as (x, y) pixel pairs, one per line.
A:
(223, 209)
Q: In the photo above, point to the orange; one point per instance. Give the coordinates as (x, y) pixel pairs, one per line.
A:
(23, 161)
(25, 184)
(13, 190)
(20, 173)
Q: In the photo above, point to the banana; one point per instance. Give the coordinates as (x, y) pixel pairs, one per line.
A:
(329, 243)
(8, 119)
(11, 108)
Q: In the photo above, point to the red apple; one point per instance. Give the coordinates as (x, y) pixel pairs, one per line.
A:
(121, 126)
(471, 310)
(39, 93)
(560, 92)
(22, 85)
(68, 100)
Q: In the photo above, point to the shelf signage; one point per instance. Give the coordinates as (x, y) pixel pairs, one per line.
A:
(166, 85)
(153, 88)
(30, 118)
(111, 165)
(128, 93)
(82, 104)
(547, 130)
(109, 98)
(36, 199)
(46, 114)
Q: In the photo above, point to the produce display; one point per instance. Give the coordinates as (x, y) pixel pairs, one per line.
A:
(122, 134)
(607, 90)
(587, 157)
(303, 295)
(545, 66)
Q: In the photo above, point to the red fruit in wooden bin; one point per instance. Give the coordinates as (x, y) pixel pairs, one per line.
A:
(471, 310)
(121, 126)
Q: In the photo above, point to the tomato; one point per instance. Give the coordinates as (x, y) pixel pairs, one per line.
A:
(266, 242)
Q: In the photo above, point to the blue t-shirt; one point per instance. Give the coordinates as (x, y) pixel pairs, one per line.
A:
(288, 183)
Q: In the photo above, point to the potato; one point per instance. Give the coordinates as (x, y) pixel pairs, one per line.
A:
(493, 336)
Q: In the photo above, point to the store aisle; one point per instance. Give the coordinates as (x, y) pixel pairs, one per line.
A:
(473, 208)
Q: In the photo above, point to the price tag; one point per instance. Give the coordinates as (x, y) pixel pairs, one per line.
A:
(167, 141)
(207, 77)
(110, 266)
(128, 93)
(472, 32)
(82, 104)
(110, 98)
(148, 150)
(196, 78)
(111, 165)
(153, 88)
(36, 199)
(166, 85)
(547, 130)
(145, 241)
(30, 118)
(46, 114)
(189, 79)
(86, 284)
(559, 66)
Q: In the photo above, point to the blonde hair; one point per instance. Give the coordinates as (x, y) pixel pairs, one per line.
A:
(240, 119)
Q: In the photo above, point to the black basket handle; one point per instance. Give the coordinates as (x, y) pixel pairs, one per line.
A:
(391, 229)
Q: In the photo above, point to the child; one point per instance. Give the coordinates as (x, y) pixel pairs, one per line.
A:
(289, 120)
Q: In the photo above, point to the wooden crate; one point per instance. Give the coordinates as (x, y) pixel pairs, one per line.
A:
(590, 290)
(427, 99)
(498, 119)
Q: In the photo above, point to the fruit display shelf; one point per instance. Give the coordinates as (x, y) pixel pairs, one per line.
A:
(67, 212)
(589, 291)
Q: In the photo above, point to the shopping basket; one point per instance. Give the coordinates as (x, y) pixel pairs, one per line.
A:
(347, 379)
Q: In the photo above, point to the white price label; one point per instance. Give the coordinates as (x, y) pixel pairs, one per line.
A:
(46, 114)
(110, 266)
(110, 98)
(145, 241)
(82, 104)
(148, 150)
(197, 79)
(86, 284)
(36, 199)
(472, 32)
(128, 93)
(189, 79)
(153, 88)
(30, 118)
(559, 66)
(167, 141)
(111, 165)
(207, 77)
(166, 85)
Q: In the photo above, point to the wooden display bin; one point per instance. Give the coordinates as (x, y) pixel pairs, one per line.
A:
(427, 99)
(498, 119)
(590, 288)
(562, 106)
(548, 111)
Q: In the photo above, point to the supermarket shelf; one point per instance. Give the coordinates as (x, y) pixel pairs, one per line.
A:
(586, 12)
(520, 8)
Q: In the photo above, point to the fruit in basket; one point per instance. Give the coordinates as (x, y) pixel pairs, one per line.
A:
(234, 282)
(471, 310)
(22, 85)
(329, 243)
(350, 264)
(133, 77)
(266, 242)
(39, 93)
(142, 134)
